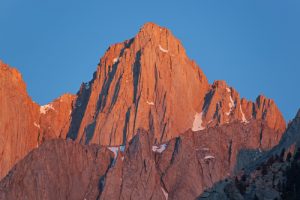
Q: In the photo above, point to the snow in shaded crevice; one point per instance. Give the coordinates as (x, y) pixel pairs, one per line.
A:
(116, 150)
(36, 125)
(151, 103)
(159, 149)
(231, 105)
(165, 193)
(163, 50)
(44, 109)
(209, 157)
(122, 148)
(243, 116)
(197, 124)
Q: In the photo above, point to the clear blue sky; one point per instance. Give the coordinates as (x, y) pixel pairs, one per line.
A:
(254, 44)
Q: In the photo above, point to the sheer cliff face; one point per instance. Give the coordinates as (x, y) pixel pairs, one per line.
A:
(149, 82)
(23, 123)
(146, 82)
(18, 119)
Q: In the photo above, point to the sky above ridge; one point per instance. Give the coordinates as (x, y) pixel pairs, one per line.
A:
(253, 45)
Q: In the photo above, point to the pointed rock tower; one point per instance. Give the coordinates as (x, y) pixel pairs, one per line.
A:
(149, 82)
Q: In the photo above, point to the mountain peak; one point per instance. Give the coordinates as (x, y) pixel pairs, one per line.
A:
(159, 38)
(150, 26)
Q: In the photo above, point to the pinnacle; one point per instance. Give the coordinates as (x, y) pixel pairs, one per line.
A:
(150, 26)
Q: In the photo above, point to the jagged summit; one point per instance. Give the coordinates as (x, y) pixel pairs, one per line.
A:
(149, 82)
(140, 84)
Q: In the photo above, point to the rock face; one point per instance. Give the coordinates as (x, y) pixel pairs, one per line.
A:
(23, 123)
(57, 170)
(149, 82)
(179, 169)
(224, 105)
(275, 175)
(55, 118)
(18, 119)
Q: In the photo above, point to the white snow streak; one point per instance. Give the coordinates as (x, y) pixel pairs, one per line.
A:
(165, 193)
(36, 125)
(209, 157)
(243, 116)
(231, 105)
(151, 103)
(228, 89)
(163, 50)
(46, 108)
(159, 149)
(197, 124)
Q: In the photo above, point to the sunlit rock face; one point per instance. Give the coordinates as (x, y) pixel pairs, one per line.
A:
(149, 82)
(190, 128)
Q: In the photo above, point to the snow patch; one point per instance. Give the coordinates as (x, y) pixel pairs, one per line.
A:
(159, 149)
(231, 105)
(151, 103)
(209, 157)
(228, 89)
(116, 60)
(243, 116)
(122, 148)
(46, 108)
(163, 50)
(165, 193)
(116, 150)
(197, 124)
(36, 125)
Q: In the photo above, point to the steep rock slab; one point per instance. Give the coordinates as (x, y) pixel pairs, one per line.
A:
(58, 169)
(223, 105)
(55, 118)
(274, 175)
(24, 125)
(149, 82)
(19, 117)
(145, 83)
(179, 169)
(185, 166)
